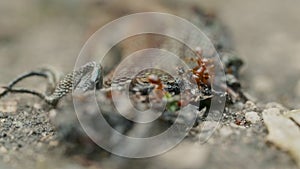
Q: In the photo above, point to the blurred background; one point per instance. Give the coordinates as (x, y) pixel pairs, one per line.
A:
(35, 33)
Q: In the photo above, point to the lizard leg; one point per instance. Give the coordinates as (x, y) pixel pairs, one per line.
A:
(45, 73)
(85, 78)
(26, 91)
(18, 79)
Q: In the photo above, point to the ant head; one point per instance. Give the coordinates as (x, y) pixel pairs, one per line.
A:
(154, 79)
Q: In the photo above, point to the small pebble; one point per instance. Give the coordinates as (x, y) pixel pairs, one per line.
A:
(37, 106)
(250, 106)
(18, 124)
(252, 117)
(239, 105)
(1, 115)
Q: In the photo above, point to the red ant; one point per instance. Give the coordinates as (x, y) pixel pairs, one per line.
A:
(203, 72)
(159, 86)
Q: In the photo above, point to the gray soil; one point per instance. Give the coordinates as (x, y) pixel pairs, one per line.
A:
(38, 33)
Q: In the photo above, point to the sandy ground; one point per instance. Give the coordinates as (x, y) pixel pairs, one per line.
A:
(37, 33)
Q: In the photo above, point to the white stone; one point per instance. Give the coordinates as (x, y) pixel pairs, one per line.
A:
(283, 132)
(252, 117)
(275, 111)
(276, 105)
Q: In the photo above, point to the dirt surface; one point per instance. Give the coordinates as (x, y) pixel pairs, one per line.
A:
(37, 33)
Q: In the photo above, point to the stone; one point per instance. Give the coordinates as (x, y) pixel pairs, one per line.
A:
(295, 115)
(239, 105)
(274, 111)
(252, 117)
(37, 106)
(284, 133)
(276, 105)
(18, 124)
(250, 106)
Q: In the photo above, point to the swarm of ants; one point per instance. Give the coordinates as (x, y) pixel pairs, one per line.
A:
(203, 75)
